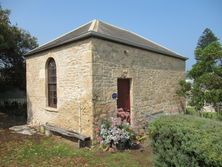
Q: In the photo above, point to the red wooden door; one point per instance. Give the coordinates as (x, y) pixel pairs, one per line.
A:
(123, 100)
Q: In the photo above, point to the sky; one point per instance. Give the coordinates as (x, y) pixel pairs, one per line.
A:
(175, 24)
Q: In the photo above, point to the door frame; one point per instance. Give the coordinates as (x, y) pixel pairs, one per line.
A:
(131, 98)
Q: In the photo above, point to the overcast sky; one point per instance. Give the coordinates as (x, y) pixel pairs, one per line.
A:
(175, 24)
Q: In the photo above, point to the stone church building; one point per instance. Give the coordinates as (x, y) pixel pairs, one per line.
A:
(88, 74)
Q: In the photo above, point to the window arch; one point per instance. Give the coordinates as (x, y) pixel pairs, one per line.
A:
(52, 83)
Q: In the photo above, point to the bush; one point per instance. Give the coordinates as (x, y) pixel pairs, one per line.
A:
(183, 140)
(115, 134)
(209, 115)
(191, 111)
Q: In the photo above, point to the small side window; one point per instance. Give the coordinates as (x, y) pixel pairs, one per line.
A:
(52, 83)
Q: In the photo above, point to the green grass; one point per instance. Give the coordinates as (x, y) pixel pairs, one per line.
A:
(50, 152)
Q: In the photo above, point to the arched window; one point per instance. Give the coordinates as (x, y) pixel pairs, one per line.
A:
(52, 83)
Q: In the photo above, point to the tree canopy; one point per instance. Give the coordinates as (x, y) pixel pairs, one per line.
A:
(206, 73)
(14, 43)
(206, 38)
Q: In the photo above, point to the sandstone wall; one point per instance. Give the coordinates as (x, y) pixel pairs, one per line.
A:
(74, 87)
(87, 74)
(154, 80)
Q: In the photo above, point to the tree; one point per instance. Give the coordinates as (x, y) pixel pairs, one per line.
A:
(206, 38)
(206, 73)
(14, 43)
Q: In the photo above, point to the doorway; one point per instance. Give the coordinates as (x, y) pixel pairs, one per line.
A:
(123, 101)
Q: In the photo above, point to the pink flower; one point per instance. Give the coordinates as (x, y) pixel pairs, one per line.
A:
(99, 138)
(116, 121)
(97, 129)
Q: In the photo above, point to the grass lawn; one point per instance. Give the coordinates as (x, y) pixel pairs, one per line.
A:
(20, 150)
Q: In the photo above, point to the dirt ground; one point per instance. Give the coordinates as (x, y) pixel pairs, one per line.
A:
(7, 135)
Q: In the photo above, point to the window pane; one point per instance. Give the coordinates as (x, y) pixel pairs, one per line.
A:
(52, 87)
(52, 80)
(54, 101)
(52, 92)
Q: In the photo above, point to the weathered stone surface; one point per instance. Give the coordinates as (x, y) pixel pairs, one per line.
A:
(87, 74)
(74, 88)
(154, 81)
(23, 129)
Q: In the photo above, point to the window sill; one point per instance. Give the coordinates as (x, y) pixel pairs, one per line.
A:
(51, 109)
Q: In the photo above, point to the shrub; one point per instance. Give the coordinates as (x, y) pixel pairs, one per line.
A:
(183, 140)
(209, 115)
(191, 111)
(115, 134)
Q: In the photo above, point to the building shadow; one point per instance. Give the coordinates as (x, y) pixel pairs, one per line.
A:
(7, 121)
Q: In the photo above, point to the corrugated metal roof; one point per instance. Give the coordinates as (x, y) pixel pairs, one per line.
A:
(106, 31)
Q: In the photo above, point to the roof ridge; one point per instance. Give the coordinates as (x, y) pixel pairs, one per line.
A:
(101, 29)
(92, 25)
(96, 25)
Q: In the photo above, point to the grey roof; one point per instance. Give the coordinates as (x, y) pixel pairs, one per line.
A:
(99, 29)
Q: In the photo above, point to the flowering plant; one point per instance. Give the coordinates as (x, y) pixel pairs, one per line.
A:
(116, 134)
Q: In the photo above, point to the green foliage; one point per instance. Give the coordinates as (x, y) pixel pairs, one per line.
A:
(183, 141)
(14, 43)
(206, 74)
(197, 97)
(190, 110)
(206, 38)
(185, 87)
(212, 115)
(209, 115)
